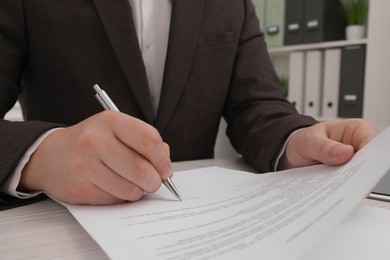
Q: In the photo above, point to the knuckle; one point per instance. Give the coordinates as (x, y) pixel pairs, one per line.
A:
(353, 123)
(87, 139)
(153, 186)
(167, 148)
(140, 168)
(151, 140)
(323, 148)
(145, 175)
(134, 193)
(78, 193)
(358, 122)
(107, 115)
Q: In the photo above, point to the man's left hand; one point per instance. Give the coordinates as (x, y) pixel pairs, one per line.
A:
(331, 143)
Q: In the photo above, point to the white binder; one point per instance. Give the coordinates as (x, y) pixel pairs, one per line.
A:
(296, 79)
(331, 87)
(313, 83)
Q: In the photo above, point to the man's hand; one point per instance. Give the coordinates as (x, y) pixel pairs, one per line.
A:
(108, 158)
(331, 143)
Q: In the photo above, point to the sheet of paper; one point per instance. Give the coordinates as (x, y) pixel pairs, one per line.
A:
(364, 234)
(227, 214)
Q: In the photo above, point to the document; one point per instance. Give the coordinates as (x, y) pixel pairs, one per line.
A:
(364, 234)
(229, 214)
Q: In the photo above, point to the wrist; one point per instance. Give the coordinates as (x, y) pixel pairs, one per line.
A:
(29, 179)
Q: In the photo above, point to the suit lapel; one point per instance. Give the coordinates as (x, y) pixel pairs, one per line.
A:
(118, 22)
(184, 30)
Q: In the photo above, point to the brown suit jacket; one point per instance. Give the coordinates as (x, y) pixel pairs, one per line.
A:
(53, 51)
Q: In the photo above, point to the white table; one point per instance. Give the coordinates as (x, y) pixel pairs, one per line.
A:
(46, 230)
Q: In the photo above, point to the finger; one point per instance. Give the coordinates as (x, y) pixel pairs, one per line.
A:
(130, 165)
(167, 149)
(95, 196)
(363, 135)
(95, 184)
(356, 132)
(115, 185)
(166, 167)
(83, 192)
(337, 153)
(144, 139)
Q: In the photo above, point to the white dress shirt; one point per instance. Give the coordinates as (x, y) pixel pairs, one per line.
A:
(152, 20)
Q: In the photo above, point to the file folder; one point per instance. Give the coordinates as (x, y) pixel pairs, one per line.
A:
(331, 83)
(313, 83)
(352, 81)
(274, 22)
(294, 22)
(260, 7)
(324, 20)
(296, 79)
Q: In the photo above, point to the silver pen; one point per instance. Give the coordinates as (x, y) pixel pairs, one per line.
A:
(107, 103)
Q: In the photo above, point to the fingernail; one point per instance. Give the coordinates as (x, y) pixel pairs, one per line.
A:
(166, 171)
(336, 150)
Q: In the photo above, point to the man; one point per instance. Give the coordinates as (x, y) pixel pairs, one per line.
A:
(172, 94)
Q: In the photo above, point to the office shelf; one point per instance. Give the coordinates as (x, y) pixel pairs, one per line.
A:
(314, 46)
(376, 104)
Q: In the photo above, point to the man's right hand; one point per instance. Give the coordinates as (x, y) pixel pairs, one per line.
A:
(106, 159)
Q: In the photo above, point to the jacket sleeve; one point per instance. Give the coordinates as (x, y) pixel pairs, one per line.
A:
(15, 137)
(259, 118)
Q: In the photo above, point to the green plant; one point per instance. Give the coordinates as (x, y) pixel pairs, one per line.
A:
(284, 84)
(356, 12)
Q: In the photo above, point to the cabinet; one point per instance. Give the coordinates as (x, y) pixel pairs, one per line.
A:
(376, 97)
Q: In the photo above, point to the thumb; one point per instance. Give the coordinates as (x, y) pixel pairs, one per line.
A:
(336, 153)
(313, 149)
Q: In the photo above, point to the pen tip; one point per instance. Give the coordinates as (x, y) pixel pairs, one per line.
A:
(169, 184)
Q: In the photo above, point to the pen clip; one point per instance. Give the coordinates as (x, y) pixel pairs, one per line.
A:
(104, 99)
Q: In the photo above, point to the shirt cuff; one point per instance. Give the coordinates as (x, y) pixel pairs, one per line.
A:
(10, 185)
(283, 149)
